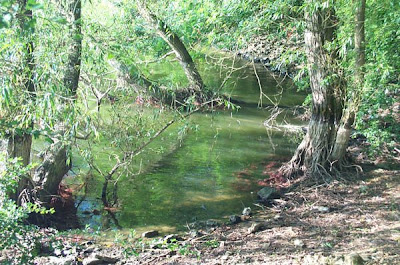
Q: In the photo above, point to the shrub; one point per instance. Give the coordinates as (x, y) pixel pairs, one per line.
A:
(18, 241)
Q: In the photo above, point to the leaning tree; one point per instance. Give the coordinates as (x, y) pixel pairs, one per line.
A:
(196, 85)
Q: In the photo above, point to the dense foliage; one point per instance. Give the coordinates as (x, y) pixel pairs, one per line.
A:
(378, 117)
(15, 233)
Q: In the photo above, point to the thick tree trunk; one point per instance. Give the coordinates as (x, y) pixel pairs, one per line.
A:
(19, 145)
(312, 155)
(195, 81)
(71, 78)
(49, 174)
(347, 122)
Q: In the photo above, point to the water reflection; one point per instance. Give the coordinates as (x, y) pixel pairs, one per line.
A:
(215, 171)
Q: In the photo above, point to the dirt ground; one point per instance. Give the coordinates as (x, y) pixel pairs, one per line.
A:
(334, 223)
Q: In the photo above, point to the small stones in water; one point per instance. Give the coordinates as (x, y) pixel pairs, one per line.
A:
(234, 219)
(203, 224)
(299, 243)
(149, 234)
(246, 211)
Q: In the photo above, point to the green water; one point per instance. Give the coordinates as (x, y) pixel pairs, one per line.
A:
(213, 172)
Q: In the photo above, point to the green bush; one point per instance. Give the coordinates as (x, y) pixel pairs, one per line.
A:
(18, 241)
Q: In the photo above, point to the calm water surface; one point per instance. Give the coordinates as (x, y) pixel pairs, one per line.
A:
(213, 172)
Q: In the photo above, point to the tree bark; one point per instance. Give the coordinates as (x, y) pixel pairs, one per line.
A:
(71, 77)
(311, 156)
(347, 122)
(20, 144)
(195, 81)
(49, 174)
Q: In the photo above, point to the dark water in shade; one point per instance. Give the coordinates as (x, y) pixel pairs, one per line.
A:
(213, 172)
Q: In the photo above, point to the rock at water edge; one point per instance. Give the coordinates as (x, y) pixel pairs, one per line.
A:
(149, 234)
(268, 193)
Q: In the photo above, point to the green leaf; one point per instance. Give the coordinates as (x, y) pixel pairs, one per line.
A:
(36, 134)
(78, 37)
(49, 140)
(5, 46)
(60, 20)
(33, 5)
(110, 56)
(5, 95)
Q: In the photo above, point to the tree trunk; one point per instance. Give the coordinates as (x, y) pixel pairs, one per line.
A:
(71, 78)
(312, 154)
(347, 122)
(19, 145)
(195, 81)
(49, 174)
